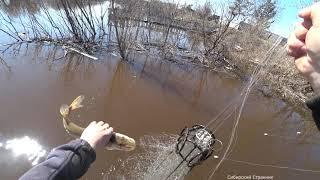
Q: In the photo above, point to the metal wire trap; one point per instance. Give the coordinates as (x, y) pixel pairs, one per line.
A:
(194, 145)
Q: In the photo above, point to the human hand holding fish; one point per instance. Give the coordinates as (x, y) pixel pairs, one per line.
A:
(96, 134)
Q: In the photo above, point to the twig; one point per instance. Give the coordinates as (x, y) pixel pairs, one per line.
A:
(78, 51)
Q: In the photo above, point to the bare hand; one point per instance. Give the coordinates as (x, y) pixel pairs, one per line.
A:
(97, 134)
(304, 45)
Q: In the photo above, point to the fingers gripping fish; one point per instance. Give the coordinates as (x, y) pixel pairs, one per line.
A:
(117, 142)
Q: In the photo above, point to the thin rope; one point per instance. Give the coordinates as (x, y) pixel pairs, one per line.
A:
(234, 129)
(222, 122)
(221, 147)
(273, 166)
(254, 78)
(234, 143)
(220, 114)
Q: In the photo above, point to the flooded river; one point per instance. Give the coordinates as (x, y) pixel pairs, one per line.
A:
(149, 99)
(146, 97)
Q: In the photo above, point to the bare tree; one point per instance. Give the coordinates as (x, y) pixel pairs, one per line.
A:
(264, 14)
(125, 18)
(213, 40)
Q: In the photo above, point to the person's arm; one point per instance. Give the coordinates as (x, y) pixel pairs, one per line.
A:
(314, 105)
(69, 161)
(304, 46)
(72, 160)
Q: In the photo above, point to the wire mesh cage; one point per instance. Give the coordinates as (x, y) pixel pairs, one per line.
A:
(195, 145)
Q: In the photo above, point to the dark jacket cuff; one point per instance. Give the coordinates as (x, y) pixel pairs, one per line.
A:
(84, 145)
(314, 105)
(68, 161)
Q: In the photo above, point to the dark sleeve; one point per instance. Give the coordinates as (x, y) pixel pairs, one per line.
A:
(69, 161)
(314, 105)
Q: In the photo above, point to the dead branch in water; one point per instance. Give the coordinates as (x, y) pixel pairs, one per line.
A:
(79, 52)
(75, 24)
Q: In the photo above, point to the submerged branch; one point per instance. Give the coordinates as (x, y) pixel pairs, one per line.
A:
(78, 51)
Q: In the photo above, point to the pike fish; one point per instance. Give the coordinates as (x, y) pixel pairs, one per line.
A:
(117, 142)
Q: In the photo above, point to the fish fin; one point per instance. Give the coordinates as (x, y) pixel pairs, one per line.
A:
(64, 110)
(77, 103)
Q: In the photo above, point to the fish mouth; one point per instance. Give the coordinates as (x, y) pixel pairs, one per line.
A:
(128, 148)
(121, 143)
(120, 147)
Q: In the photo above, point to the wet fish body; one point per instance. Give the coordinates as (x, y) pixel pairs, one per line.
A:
(117, 142)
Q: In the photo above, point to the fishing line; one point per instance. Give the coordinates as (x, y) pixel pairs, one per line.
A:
(254, 78)
(245, 93)
(234, 129)
(273, 166)
(196, 144)
(235, 141)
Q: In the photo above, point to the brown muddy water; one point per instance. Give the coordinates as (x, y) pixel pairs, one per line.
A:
(146, 97)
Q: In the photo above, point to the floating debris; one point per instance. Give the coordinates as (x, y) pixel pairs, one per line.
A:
(215, 156)
(266, 134)
(114, 54)
(238, 48)
(298, 133)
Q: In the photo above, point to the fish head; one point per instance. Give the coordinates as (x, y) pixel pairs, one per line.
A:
(121, 142)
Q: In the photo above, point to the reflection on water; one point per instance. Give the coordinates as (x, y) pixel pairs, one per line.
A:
(141, 97)
(18, 7)
(25, 147)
